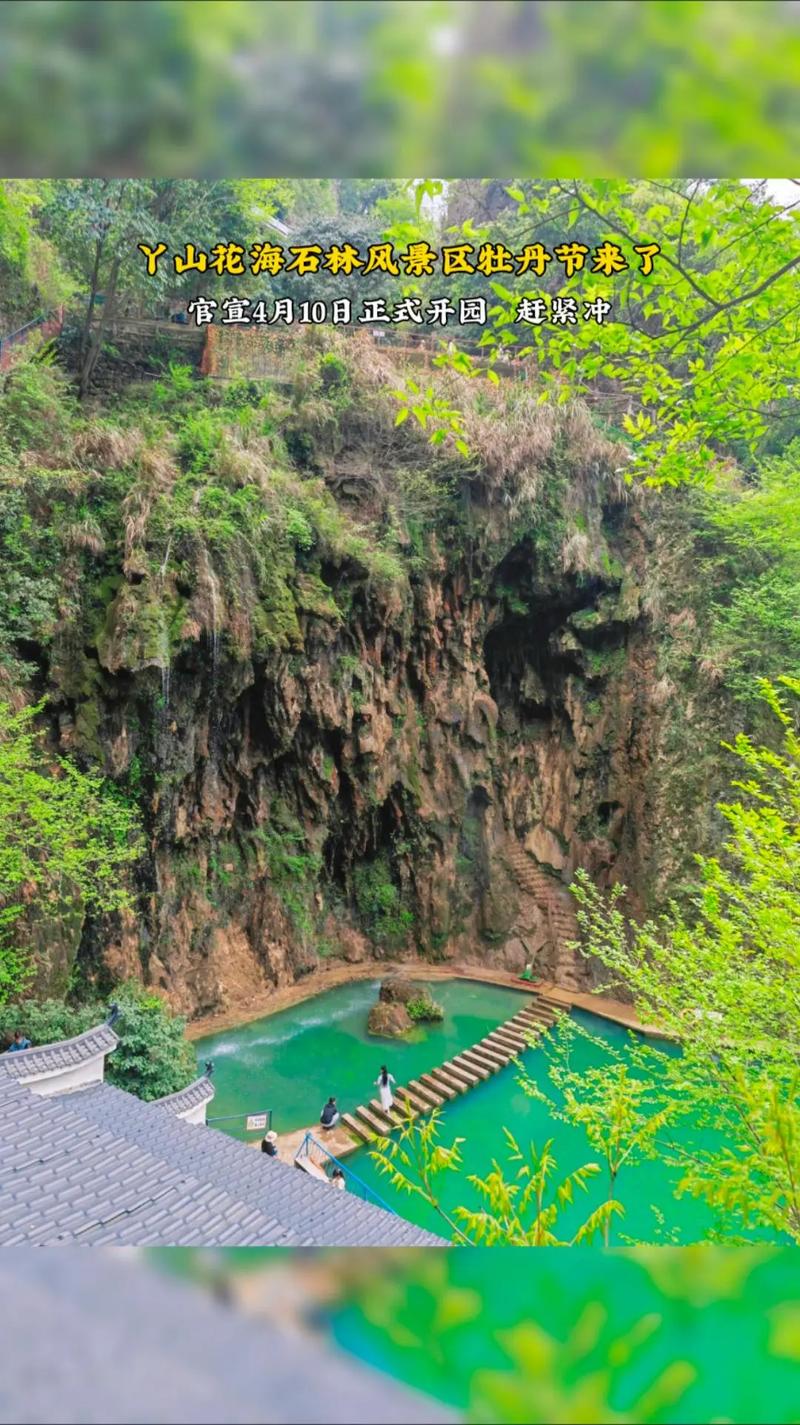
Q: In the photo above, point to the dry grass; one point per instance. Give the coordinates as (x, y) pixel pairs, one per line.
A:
(157, 473)
(101, 447)
(85, 534)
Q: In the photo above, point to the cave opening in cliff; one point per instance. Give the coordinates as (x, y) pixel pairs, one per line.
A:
(530, 649)
(362, 854)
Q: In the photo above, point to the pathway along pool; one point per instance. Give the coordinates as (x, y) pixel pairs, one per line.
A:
(291, 1061)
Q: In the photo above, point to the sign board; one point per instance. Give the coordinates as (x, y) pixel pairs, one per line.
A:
(255, 1122)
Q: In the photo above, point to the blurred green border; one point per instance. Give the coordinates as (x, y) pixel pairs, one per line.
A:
(384, 87)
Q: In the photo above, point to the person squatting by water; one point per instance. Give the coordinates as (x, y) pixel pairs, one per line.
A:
(384, 1083)
(269, 1143)
(337, 1179)
(329, 1116)
(19, 1042)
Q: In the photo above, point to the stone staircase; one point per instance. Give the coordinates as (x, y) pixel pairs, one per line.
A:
(555, 902)
(461, 1073)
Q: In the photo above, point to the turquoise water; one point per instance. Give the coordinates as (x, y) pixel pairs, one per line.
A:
(481, 1115)
(291, 1061)
(710, 1309)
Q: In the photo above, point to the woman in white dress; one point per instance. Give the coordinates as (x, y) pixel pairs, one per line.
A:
(384, 1083)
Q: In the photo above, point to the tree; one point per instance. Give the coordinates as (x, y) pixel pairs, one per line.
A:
(721, 979)
(65, 838)
(522, 1211)
(98, 223)
(152, 1058)
(696, 359)
(621, 1114)
(704, 346)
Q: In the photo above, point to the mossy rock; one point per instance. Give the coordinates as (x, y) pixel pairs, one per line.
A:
(389, 1020)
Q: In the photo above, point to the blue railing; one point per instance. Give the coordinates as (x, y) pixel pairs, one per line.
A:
(14, 337)
(243, 1117)
(364, 1190)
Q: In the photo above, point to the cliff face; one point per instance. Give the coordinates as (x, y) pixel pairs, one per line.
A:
(399, 735)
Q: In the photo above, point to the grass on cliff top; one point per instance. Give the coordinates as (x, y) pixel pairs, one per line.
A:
(203, 507)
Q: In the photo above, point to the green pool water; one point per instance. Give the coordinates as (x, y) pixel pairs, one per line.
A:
(291, 1061)
(444, 1322)
(481, 1116)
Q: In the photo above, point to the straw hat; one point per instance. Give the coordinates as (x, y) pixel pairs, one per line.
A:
(272, 1136)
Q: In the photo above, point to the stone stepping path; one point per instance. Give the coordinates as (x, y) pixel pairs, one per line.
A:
(461, 1073)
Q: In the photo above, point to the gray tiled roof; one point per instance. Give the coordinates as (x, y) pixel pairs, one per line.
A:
(93, 1337)
(100, 1166)
(200, 1091)
(66, 1054)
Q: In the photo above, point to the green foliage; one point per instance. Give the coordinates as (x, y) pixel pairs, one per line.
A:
(46, 1021)
(172, 390)
(29, 580)
(624, 1116)
(755, 623)
(200, 439)
(384, 917)
(434, 414)
(706, 351)
(520, 1211)
(719, 978)
(425, 1009)
(36, 410)
(152, 1059)
(293, 869)
(65, 838)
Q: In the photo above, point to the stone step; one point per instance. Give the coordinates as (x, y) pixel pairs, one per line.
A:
(481, 1061)
(395, 1115)
(418, 1103)
(465, 1071)
(511, 1039)
(462, 1059)
(551, 1006)
(433, 1099)
(534, 1010)
(531, 1019)
(515, 1029)
(527, 1025)
(443, 1087)
(504, 1047)
(455, 1081)
(379, 1126)
(359, 1130)
(531, 1031)
(499, 1053)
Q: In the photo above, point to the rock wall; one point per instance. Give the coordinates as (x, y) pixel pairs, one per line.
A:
(405, 768)
(468, 756)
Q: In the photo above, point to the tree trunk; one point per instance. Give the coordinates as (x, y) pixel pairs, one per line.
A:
(95, 337)
(86, 330)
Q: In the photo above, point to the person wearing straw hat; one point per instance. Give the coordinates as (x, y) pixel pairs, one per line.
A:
(269, 1143)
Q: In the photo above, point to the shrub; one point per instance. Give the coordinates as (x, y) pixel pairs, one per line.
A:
(152, 1058)
(378, 899)
(425, 1009)
(178, 383)
(36, 409)
(200, 440)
